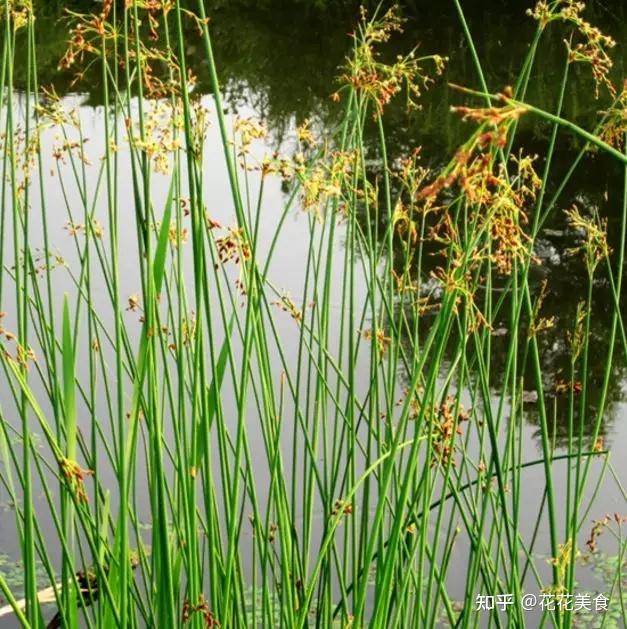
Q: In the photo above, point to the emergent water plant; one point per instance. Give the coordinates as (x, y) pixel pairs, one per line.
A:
(183, 442)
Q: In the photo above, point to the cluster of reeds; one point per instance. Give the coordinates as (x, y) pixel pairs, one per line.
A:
(183, 443)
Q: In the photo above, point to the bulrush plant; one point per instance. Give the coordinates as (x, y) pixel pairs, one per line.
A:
(185, 443)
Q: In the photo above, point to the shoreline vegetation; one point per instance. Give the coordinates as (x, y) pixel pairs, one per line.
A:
(213, 451)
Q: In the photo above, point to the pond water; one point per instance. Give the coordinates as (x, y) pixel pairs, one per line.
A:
(279, 67)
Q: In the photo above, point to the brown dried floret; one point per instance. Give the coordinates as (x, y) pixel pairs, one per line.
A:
(380, 82)
(75, 477)
(202, 608)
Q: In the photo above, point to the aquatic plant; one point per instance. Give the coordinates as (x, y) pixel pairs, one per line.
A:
(184, 443)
